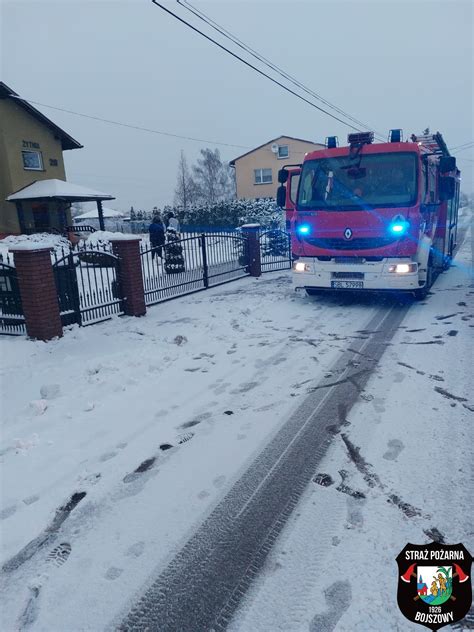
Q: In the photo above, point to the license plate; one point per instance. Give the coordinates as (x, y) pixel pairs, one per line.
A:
(347, 285)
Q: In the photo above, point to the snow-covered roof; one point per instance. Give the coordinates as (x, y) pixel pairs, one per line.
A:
(94, 214)
(43, 189)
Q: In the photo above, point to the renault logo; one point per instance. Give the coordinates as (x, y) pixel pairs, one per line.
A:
(348, 233)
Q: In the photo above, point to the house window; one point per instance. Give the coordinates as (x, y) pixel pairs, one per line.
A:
(263, 176)
(283, 151)
(32, 160)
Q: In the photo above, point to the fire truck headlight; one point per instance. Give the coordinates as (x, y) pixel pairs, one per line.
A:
(403, 268)
(299, 266)
(303, 229)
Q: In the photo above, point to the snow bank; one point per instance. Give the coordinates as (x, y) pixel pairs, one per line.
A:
(103, 237)
(33, 242)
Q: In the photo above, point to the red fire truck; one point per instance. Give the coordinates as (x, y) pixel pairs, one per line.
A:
(372, 216)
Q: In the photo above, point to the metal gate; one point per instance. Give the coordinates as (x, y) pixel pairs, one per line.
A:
(192, 263)
(88, 286)
(275, 250)
(12, 320)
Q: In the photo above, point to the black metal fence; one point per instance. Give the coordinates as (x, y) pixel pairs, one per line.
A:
(87, 279)
(192, 263)
(12, 321)
(88, 285)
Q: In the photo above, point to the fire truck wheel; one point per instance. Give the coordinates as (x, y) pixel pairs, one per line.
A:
(422, 293)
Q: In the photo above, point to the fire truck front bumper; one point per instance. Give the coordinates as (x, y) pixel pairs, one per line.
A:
(388, 274)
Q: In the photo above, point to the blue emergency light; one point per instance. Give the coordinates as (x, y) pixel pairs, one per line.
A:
(395, 135)
(331, 142)
(398, 227)
(303, 229)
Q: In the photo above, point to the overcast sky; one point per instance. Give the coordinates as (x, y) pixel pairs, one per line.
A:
(399, 63)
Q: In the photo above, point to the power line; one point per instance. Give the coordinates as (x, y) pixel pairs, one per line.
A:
(470, 143)
(464, 148)
(247, 63)
(131, 126)
(230, 36)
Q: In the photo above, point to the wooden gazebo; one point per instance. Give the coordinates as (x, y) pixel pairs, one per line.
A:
(61, 192)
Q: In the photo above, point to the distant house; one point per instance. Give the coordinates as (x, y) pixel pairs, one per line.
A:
(31, 149)
(256, 171)
(108, 213)
(113, 220)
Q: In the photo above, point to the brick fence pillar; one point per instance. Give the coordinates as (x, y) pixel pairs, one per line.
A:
(251, 232)
(38, 293)
(130, 274)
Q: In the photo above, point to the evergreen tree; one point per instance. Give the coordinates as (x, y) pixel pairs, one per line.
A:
(174, 260)
(275, 242)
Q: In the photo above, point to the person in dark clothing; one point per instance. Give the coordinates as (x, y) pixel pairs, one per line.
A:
(157, 236)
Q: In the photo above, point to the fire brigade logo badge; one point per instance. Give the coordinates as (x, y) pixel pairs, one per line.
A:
(434, 583)
(348, 233)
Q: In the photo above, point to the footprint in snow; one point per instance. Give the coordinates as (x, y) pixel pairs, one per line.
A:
(31, 499)
(245, 387)
(59, 555)
(107, 456)
(395, 446)
(338, 598)
(355, 519)
(7, 512)
(113, 573)
(135, 550)
(222, 388)
(204, 494)
(398, 377)
(219, 481)
(190, 424)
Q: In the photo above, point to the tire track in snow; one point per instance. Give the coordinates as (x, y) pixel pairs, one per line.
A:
(203, 585)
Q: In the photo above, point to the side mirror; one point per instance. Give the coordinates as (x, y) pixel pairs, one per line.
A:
(447, 188)
(281, 196)
(282, 176)
(447, 163)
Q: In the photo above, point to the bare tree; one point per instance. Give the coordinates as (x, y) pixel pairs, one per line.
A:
(185, 192)
(213, 178)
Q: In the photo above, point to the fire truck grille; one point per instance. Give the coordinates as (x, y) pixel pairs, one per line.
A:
(359, 243)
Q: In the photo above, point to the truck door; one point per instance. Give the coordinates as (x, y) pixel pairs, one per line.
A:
(291, 192)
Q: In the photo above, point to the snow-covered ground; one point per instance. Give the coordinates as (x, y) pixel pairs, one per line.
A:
(214, 375)
(334, 566)
(226, 365)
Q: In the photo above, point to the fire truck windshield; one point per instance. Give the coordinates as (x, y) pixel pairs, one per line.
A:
(341, 183)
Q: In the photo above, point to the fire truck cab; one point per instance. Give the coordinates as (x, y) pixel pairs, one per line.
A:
(372, 216)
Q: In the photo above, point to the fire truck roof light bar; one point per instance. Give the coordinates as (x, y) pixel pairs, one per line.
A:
(332, 142)
(361, 138)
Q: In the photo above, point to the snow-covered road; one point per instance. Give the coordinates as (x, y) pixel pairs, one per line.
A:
(409, 439)
(215, 376)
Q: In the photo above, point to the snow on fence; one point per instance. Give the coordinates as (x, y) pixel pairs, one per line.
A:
(87, 275)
